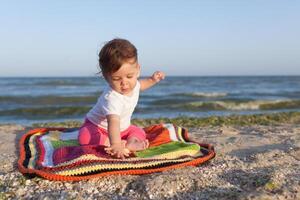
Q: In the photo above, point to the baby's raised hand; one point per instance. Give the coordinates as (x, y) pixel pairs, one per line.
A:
(158, 76)
(118, 151)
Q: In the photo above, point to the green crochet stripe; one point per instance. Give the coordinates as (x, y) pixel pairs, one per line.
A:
(58, 143)
(167, 148)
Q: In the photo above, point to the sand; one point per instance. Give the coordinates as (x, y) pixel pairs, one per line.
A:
(252, 162)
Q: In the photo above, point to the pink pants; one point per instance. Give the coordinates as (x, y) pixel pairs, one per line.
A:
(91, 134)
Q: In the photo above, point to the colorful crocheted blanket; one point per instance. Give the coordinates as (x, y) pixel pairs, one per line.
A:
(54, 153)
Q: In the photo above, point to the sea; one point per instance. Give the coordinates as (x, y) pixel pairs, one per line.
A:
(42, 99)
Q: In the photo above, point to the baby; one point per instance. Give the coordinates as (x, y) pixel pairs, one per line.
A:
(108, 122)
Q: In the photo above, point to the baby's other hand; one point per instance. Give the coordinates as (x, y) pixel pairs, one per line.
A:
(158, 76)
(118, 151)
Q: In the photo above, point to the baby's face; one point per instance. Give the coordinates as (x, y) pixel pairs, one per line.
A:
(124, 80)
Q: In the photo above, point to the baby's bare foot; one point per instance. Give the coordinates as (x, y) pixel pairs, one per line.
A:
(136, 145)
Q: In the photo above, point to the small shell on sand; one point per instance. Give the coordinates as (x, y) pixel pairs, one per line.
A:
(226, 130)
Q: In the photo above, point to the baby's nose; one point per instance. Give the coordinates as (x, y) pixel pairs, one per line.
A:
(123, 83)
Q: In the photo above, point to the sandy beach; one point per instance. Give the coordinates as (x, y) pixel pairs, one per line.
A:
(252, 162)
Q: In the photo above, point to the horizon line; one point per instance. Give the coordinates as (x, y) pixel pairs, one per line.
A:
(89, 76)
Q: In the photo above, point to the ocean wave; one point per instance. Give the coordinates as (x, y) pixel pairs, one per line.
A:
(63, 82)
(284, 94)
(48, 100)
(202, 94)
(236, 105)
(53, 112)
(46, 112)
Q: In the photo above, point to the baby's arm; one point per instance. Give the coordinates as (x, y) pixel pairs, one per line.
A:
(116, 148)
(150, 81)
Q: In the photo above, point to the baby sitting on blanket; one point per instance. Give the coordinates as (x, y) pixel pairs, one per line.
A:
(108, 122)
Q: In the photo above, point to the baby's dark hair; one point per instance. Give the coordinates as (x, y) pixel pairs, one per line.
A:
(115, 53)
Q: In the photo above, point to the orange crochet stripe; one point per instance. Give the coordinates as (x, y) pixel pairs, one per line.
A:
(210, 154)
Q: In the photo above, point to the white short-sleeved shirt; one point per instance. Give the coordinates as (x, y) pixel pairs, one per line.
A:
(112, 102)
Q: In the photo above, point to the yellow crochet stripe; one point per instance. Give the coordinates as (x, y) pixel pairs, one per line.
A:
(176, 154)
(32, 149)
(179, 133)
(96, 166)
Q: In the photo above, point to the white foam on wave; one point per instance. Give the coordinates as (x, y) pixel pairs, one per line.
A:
(251, 105)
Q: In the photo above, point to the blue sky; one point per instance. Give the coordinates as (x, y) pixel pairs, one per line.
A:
(62, 38)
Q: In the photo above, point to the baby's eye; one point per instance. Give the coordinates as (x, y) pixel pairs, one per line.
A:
(116, 79)
(129, 76)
